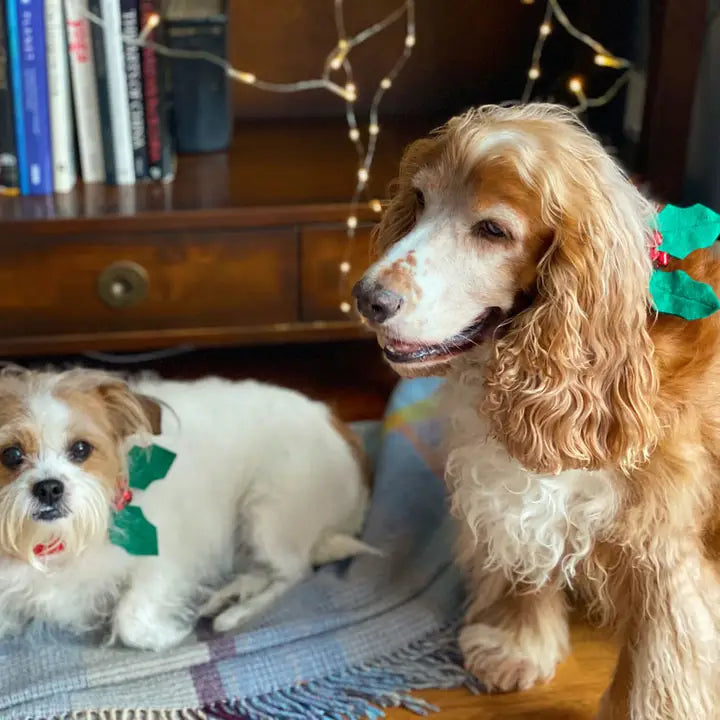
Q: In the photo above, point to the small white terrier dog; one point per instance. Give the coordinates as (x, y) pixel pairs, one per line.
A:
(261, 474)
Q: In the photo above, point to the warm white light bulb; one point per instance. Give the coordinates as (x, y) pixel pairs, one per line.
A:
(350, 92)
(534, 73)
(152, 22)
(608, 61)
(246, 77)
(354, 134)
(385, 83)
(545, 29)
(345, 307)
(575, 85)
(345, 267)
(374, 129)
(352, 222)
(343, 44)
(336, 62)
(363, 175)
(376, 206)
(410, 41)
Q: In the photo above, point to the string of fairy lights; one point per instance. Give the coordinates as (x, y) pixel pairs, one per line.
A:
(337, 78)
(603, 58)
(337, 62)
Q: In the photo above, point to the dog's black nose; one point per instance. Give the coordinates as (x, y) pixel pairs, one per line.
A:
(48, 492)
(376, 302)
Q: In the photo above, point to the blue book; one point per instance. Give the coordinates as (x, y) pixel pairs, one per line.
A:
(28, 67)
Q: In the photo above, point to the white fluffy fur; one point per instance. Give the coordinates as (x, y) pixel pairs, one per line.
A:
(529, 525)
(253, 459)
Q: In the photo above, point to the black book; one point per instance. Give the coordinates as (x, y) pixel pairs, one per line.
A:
(201, 100)
(103, 91)
(8, 150)
(130, 21)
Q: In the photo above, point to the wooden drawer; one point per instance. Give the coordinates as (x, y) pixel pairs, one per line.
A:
(322, 250)
(50, 286)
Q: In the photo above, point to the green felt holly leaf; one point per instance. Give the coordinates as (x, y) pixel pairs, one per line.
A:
(676, 293)
(686, 229)
(147, 464)
(134, 532)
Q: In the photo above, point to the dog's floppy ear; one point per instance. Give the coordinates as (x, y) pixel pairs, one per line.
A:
(153, 412)
(130, 412)
(572, 383)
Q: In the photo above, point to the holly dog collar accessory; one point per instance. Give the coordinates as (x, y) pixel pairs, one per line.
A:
(679, 232)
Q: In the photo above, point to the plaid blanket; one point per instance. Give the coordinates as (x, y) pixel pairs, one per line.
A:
(352, 638)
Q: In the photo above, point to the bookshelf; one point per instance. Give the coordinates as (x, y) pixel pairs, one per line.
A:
(242, 247)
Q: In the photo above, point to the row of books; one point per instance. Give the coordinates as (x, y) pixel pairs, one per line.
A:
(78, 99)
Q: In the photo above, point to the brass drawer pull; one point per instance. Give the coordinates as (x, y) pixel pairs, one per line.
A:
(123, 284)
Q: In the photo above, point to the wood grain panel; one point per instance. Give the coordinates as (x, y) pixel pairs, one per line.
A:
(321, 251)
(196, 280)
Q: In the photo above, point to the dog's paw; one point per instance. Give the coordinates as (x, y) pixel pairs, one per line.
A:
(141, 626)
(502, 664)
(11, 625)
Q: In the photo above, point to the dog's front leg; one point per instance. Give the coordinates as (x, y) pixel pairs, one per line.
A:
(157, 610)
(513, 636)
(669, 667)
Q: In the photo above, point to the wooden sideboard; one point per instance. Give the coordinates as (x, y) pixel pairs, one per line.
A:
(243, 247)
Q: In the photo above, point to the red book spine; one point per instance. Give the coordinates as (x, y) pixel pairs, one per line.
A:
(152, 94)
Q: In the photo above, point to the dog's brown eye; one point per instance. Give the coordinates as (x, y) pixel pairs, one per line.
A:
(80, 451)
(12, 457)
(488, 228)
(420, 199)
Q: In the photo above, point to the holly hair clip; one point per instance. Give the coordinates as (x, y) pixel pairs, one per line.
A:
(679, 232)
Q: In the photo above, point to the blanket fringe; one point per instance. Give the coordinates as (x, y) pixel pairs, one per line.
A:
(139, 714)
(362, 691)
(353, 694)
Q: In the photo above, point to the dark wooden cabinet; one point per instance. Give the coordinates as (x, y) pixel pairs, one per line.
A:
(234, 251)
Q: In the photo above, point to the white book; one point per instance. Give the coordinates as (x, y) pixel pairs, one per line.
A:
(62, 129)
(84, 87)
(118, 91)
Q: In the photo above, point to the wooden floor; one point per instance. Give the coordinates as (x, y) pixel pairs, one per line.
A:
(572, 695)
(353, 379)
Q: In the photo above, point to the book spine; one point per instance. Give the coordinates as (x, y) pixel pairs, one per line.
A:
(13, 34)
(154, 102)
(129, 19)
(87, 112)
(27, 24)
(8, 148)
(118, 92)
(167, 108)
(97, 38)
(61, 117)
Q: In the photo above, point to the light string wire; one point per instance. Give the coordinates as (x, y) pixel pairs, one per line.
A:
(366, 155)
(603, 58)
(337, 59)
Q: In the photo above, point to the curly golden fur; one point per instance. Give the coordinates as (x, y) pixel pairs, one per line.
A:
(584, 434)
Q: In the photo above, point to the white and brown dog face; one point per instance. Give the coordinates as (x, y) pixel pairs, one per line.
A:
(62, 456)
(514, 225)
(463, 237)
